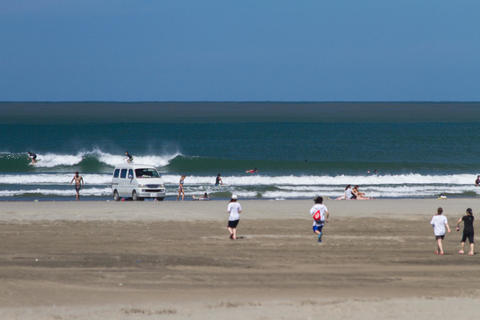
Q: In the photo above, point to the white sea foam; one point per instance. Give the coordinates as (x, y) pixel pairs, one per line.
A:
(55, 179)
(57, 192)
(411, 185)
(50, 160)
(340, 180)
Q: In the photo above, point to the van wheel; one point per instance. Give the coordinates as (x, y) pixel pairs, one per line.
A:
(134, 195)
(116, 196)
(160, 199)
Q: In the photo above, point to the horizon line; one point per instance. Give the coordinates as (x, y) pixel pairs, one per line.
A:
(239, 101)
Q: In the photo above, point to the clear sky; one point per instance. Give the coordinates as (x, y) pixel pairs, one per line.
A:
(295, 50)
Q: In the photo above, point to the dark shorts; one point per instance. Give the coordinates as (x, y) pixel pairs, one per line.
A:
(439, 237)
(233, 224)
(78, 188)
(317, 228)
(469, 236)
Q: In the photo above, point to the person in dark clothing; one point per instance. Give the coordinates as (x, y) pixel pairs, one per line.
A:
(32, 157)
(218, 180)
(129, 157)
(467, 231)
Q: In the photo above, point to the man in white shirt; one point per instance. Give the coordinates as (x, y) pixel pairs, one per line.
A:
(234, 209)
(320, 215)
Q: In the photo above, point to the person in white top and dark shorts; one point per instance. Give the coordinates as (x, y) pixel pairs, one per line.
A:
(234, 209)
(440, 227)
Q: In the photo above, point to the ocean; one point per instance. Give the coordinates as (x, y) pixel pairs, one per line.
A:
(391, 150)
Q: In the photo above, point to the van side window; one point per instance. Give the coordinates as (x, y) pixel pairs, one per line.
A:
(130, 173)
(123, 174)
(116, 173)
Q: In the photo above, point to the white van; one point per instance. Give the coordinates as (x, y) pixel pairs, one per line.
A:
(137, 181)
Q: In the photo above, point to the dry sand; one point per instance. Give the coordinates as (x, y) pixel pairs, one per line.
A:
(172, 260)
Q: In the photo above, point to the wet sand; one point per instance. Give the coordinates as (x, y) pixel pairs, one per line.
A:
(156, 260)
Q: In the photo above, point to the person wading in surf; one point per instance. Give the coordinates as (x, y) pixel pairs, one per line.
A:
(78, 184)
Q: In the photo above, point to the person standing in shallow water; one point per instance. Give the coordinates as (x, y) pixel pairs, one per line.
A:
(78, 184)
(218, 180)
(181, 191)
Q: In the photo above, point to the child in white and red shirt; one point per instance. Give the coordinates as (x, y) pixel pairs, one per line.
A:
(319, 213)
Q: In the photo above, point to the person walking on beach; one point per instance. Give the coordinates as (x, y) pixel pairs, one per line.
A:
(218, 180)
(320, 215)
(181, 191)
(78, 184)
(234, 209)
(32, 156)
(440, 226)
(467, 231)
(129, 157)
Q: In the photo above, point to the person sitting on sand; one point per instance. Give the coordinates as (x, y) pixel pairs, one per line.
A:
(32, 156)
(204, 197)
(439, 223)
(358, 195)
(347, 195)
(78, 184)
(234, 209)
(129, 157)
(320, 215)
(467, 231)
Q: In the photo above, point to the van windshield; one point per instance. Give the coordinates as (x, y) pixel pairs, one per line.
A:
(146, 173)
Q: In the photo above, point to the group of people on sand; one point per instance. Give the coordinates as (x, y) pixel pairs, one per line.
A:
(353, 193)
(440, 226)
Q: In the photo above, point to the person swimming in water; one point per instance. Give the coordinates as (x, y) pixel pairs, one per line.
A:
(218, 180)
(477, 182)
(254, 170)
(204, 197)
(32, 156)
(129, 157)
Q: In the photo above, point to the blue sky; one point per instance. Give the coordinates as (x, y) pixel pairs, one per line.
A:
(239, 50)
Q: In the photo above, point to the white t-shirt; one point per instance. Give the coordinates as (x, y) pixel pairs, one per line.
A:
(348, 193)
(323, 210)
(438, 222)
(234, 208)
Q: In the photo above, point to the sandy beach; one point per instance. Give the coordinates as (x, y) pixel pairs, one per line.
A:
(173, 260)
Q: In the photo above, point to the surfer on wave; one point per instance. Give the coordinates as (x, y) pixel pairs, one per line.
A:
(129, 157)
(32, 156)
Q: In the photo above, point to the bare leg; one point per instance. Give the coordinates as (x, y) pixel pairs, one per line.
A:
(183, 195)
(472, 249)
(234, 233)
(231, 232)
(462, 244)
(440, 246)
